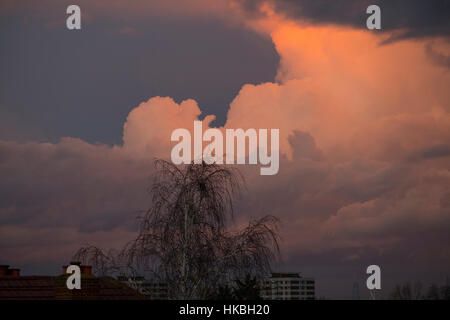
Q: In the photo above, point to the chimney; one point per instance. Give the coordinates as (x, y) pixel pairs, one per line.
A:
(87, 270)
(84, 269)
(64, 269)
(4, 269)
(14, 272)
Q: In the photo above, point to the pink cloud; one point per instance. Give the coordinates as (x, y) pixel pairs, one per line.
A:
(356, 120)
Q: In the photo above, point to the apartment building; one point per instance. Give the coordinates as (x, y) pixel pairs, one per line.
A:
(288, 286)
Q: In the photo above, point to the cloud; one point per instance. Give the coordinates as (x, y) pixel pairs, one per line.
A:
(364, 136)
(49, 10)
(71, 183)
(350, 94)
(404, 19)
(352, 115)
(128, 31)
(438, 58)
(148, 127)
(58, 196)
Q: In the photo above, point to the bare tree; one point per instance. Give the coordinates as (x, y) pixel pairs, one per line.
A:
(185, 239)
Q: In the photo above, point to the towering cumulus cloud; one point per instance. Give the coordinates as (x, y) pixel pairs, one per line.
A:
(364, 143)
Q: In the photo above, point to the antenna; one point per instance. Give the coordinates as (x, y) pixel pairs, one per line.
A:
(355, 293)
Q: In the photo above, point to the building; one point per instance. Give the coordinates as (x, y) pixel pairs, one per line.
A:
(13, 286)
(156, 290)
(288, 286)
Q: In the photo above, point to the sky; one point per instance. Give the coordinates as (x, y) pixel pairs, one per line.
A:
(364, 119)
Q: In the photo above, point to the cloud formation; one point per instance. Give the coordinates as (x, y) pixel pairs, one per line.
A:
(364, 138)
(404, 19)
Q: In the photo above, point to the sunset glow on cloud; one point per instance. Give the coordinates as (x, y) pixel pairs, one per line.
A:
(364, 146)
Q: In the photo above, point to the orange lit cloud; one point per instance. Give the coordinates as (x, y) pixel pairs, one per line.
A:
(364, 136)
(351, 93)
(370, 109)
(357, 120)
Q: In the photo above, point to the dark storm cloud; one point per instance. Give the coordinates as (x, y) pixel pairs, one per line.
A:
(56, 197)
(429, 153)
(437, 151)
(72, 183)
(411, 18)
(337, 216)
(56, 83)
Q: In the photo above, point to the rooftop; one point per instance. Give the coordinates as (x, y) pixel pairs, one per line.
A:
(13, 286)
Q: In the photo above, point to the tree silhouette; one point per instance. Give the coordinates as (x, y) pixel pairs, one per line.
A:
(185, 239)
(247, 289)
(407, 292)
(241, 289)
